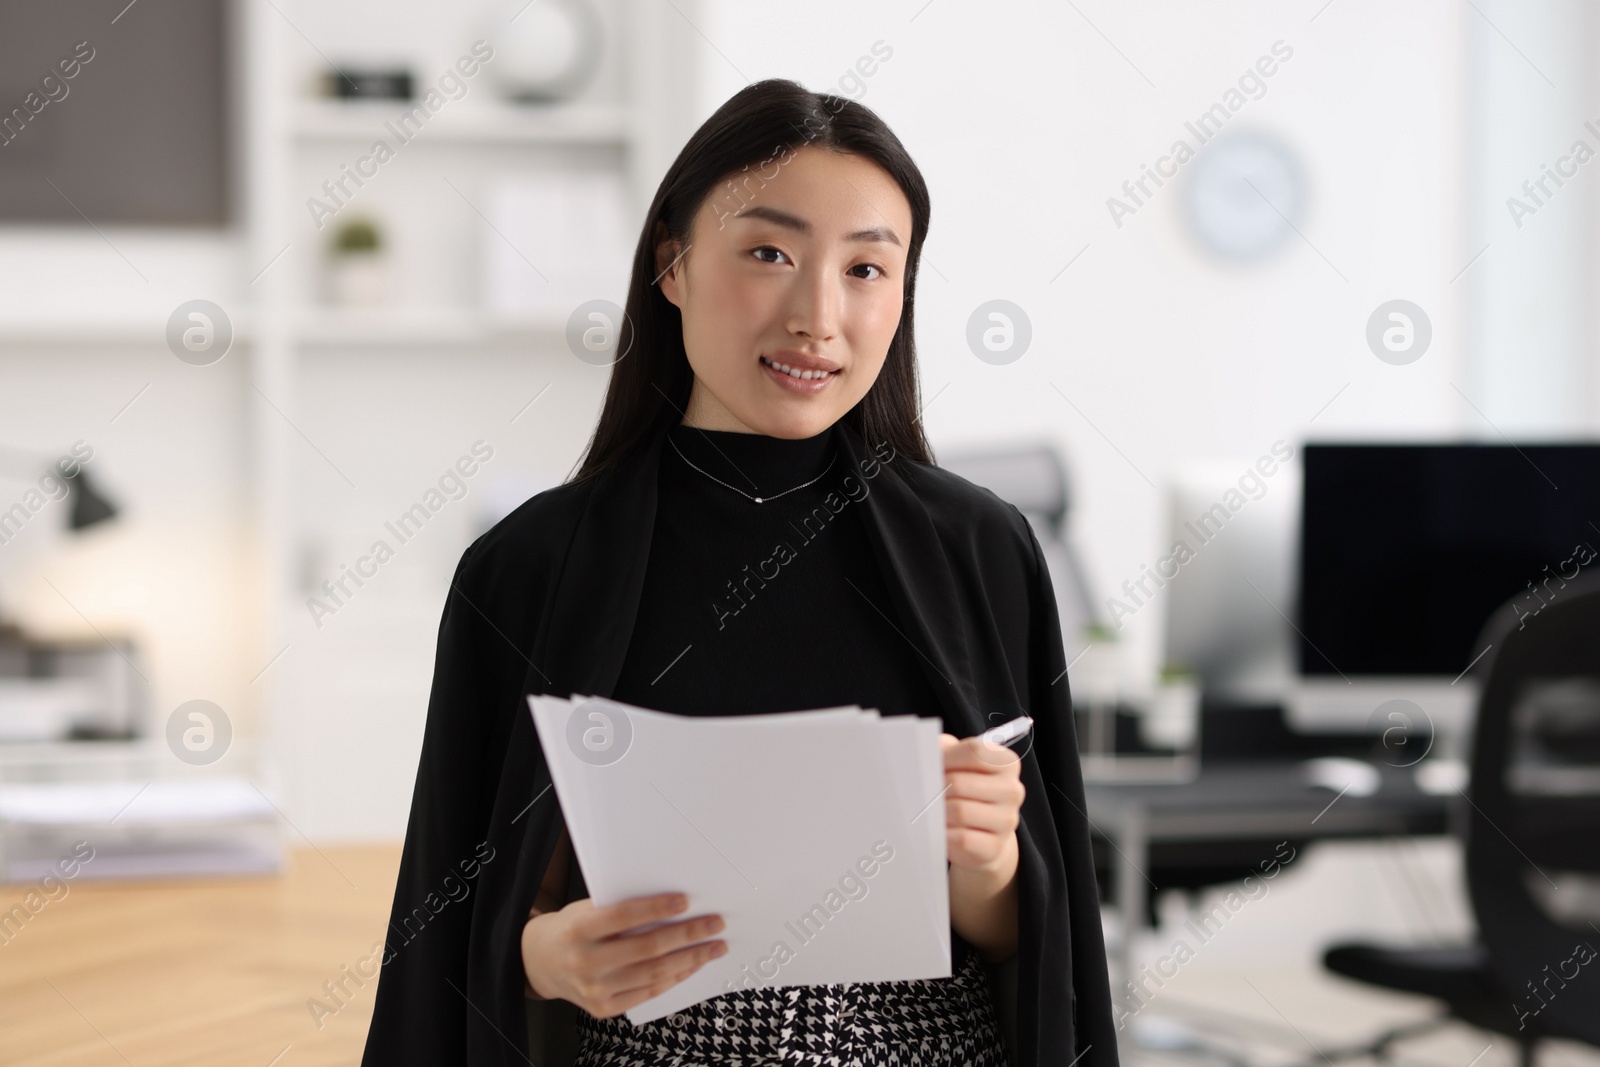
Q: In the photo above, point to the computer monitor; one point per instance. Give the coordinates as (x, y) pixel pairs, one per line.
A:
(1228, 604)
(1405, 551)
(1364, 572)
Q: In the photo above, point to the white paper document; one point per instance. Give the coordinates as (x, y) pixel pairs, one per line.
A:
(818, 836)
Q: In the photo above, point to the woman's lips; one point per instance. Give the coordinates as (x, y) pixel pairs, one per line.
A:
(805, 386)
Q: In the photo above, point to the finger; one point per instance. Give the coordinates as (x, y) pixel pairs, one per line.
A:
(973, 848)
(615, 918)
(626, 949)
(977, 754)
(621, 1002)
(974, 815)
(654, 976)
(651, 971)
(991, 788)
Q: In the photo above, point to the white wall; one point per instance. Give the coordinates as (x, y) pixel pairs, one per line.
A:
(1532, 290)
(1025, 119)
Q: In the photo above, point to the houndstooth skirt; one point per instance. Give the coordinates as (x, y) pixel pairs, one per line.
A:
(929, 1022)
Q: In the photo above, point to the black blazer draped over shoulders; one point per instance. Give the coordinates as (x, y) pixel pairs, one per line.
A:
(544, 602)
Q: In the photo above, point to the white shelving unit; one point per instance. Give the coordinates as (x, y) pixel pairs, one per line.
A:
(630, 121)
(501, 124)
(319, 328)
(102, 329)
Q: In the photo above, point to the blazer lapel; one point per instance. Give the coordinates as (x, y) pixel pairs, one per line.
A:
(597, 595)
(921, 583)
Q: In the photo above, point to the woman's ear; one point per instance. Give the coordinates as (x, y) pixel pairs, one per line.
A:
(668, 251)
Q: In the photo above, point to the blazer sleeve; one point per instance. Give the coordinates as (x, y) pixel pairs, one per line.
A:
(420, 1011)
(1056, 748)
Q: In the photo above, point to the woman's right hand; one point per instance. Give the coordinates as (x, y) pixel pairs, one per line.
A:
(582, 955)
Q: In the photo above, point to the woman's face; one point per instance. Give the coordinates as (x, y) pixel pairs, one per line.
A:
(791, 296)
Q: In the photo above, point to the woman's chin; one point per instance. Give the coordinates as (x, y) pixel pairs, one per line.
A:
(789, 423)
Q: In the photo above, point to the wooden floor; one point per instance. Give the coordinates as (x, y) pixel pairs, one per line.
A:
(215, 973)
(218, 974)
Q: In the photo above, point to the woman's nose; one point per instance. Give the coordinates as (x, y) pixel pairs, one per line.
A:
(815, 307)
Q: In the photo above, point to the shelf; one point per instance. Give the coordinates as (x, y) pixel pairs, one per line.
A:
(419, 328)
(69, 328)
(74, 328)
(365, 121)
(315, 327)
(48, 761)
(142, 758)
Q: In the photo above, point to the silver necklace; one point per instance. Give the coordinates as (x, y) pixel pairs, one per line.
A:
(741, 492)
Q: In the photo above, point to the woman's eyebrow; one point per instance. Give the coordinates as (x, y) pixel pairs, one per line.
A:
(800, 225)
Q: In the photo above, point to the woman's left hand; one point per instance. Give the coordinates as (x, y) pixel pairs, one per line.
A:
(983, 805)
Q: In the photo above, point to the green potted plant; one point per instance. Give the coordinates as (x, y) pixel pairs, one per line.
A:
(358, 265)
(1096, 688)
(1172, 719)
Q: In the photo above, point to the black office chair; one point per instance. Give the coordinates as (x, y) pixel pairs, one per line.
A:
(1033, 478)
(1532, 839)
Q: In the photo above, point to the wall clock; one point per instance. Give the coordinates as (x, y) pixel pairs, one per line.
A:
(1244, 196)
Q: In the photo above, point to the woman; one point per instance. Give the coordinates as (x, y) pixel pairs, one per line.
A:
(756, 526)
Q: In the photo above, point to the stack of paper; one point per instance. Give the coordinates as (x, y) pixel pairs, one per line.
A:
(818, 836)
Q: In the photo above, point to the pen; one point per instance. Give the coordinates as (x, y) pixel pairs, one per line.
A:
(1008, 732)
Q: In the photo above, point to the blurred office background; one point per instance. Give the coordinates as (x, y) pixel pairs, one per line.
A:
(260, 344)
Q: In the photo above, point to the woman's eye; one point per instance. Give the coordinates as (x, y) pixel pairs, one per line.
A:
(780, 256)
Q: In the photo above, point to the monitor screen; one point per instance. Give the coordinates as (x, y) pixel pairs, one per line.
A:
(1406, 550)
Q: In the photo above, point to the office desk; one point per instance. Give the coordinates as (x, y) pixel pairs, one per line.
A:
(1265, 801)
(210, 972)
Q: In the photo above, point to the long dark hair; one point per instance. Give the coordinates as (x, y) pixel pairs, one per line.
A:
(650, 384)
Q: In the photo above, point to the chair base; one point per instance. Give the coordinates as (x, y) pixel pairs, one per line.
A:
(1378, 1048)
(1457, 975)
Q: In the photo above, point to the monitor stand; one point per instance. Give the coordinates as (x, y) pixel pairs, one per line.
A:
(1332, 704)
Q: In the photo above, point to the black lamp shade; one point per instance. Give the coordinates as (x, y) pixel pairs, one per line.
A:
(88, 506)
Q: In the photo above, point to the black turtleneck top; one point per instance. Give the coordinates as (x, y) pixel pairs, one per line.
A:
(778, 606)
